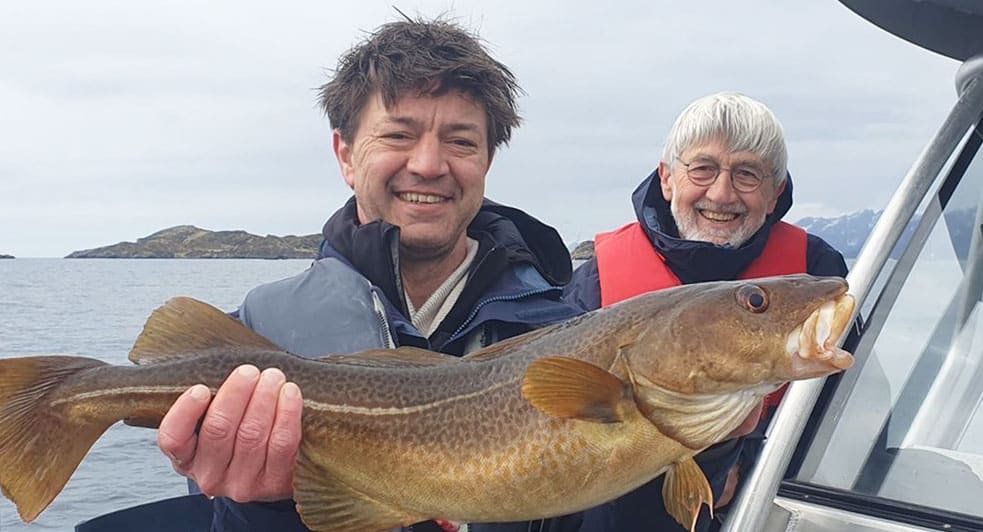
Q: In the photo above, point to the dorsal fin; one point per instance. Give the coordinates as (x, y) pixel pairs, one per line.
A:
(405, 356)
(184, 326)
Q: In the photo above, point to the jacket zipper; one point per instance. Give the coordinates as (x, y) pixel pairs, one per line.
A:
(380, 314)
(482, 303)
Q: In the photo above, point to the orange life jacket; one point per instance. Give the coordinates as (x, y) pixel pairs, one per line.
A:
(628, 265)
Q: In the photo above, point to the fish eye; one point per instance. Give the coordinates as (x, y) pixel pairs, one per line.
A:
(752, 298)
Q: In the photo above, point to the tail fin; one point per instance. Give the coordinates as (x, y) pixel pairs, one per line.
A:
(42, 443)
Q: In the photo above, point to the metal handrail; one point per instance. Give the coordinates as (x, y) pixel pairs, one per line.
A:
(750, 510)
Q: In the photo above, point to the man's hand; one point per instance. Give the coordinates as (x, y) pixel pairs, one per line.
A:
(247, 445)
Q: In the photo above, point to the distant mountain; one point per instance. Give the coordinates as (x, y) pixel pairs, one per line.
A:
(2, 256)
(846, 233)
(190, 242)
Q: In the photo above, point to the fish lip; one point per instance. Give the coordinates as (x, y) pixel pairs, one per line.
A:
(840, 293)
(813, 345)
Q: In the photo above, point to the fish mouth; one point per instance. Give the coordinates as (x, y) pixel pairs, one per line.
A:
(812, 345)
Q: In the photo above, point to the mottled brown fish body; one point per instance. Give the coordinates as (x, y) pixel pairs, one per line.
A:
(548, 423)
(503, 459)
(476, 437)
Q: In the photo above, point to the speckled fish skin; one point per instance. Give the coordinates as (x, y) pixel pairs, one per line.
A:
(466, 430)
(387, 444)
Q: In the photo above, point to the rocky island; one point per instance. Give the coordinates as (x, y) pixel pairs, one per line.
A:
(2, 256)
(846, 233)
(190, 242)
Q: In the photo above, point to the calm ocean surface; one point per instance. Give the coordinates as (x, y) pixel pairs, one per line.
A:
(97, 308)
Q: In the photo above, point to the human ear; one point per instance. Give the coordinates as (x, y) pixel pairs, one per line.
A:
(664, 180)
(343, 152)
(774, 199)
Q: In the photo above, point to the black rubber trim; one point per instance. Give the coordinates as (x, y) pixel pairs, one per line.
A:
(912, 514)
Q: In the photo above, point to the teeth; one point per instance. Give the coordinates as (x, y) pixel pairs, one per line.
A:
(718, 216)
(420, 198)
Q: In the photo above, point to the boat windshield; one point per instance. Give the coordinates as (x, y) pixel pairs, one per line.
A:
(906, 425)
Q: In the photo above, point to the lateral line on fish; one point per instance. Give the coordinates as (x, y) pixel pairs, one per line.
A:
(95, 394)
(395, 411)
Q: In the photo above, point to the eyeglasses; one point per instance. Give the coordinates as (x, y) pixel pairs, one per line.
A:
(704, 173)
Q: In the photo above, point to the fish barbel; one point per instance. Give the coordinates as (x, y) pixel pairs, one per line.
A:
(548, 423)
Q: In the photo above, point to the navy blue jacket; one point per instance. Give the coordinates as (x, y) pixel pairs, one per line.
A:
(692, 262)
(514, 286)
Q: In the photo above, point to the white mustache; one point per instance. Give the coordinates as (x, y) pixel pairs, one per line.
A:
(704, 205)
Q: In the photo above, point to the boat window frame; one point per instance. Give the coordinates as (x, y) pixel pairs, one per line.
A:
(873, 320)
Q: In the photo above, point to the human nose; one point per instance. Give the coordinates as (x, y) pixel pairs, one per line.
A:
(722, 189)
(427, 159)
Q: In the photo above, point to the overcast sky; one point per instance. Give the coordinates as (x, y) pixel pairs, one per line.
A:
(120, 118)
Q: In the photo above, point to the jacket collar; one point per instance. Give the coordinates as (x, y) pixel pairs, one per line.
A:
(506, 236)
(693, 261)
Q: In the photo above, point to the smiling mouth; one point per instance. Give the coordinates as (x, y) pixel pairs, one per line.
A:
(719, 216)
(414, 197)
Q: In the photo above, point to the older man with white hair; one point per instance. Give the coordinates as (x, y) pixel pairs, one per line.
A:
(711, 212)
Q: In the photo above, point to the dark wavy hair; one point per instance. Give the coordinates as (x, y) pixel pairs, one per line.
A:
(422, 57)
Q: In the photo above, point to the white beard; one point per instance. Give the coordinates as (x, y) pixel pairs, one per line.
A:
(689, 226)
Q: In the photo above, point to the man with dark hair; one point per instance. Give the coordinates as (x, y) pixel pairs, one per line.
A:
(417, 257)
(387, 65)
(711, 212)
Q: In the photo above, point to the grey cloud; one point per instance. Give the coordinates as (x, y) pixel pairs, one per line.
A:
(121, 119)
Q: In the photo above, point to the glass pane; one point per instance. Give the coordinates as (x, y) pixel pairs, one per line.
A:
(908, 425)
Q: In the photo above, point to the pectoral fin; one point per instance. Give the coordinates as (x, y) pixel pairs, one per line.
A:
(686, 489)
(571, 388)
(326, 504)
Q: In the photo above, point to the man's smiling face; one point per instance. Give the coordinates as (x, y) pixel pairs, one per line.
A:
(420, 165)
(718, 213)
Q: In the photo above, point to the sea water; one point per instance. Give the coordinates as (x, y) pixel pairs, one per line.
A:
(96, 308)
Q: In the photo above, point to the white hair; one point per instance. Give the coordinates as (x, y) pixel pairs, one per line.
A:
(740, 122)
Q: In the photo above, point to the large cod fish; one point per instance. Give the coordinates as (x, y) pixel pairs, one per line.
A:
(548, 423)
